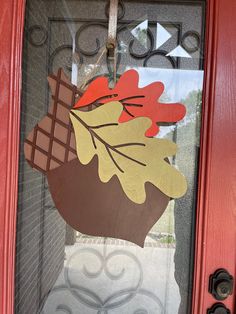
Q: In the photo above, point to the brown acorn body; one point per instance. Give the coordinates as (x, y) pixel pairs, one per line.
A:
(103, 209)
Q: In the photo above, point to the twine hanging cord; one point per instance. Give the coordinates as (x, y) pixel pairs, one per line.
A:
(111, 43)
(112, 27)
(112, 30)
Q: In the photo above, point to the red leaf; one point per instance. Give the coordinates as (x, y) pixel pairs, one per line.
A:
(137, 102)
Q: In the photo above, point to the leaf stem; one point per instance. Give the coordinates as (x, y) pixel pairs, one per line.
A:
(107, 145)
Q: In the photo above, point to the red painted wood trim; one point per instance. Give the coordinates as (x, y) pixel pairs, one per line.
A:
(216, 213)
(11, 29)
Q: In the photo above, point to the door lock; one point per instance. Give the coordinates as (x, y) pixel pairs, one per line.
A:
(221, 284)
(218, 308)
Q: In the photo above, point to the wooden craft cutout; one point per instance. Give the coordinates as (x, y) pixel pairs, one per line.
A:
(137, 102)
(102, 209)
(124, 150)
(87, 204)
(52, 143)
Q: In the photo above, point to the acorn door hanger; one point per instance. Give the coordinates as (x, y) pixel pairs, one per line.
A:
(107, 173)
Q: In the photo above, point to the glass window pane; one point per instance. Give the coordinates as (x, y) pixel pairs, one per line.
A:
(58, 269)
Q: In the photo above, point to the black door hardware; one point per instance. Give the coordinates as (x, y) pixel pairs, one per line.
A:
(218, 308)
(221, 284)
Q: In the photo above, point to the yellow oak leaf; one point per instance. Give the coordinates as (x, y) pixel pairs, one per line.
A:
(124, 150)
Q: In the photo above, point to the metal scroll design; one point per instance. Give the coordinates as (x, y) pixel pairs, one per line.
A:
(39, 36)
(91, 299)
(190, 40)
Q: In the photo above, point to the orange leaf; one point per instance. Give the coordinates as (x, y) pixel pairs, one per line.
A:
(137, 102)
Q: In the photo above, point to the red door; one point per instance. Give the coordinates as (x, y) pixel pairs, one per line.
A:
(216, 216)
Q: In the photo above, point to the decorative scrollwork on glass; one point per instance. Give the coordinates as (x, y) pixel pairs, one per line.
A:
(98, 43)
(162, 53)
(188, 39)
(87, 296)
(38, 35)
(145, 54)
(65, 55)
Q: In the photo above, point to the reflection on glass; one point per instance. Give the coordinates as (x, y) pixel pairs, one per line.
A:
(179, 52)
(140, 33)
(162, 35)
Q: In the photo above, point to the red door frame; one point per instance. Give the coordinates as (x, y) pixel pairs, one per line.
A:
(215, 245)
(216, 213)
(11, 29)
